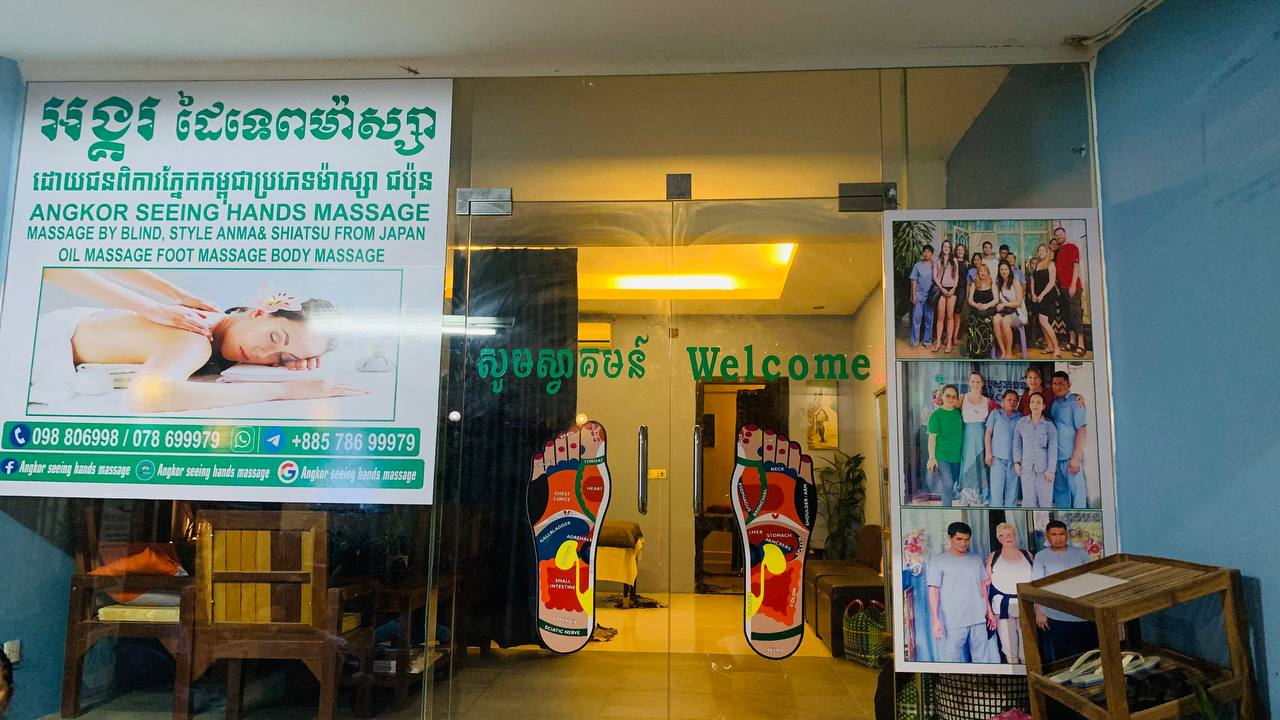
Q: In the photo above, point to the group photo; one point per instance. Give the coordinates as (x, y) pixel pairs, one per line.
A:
(991, 289)
(999, 434)
(961, 570)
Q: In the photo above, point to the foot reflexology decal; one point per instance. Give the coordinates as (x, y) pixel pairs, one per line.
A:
(775, 503)
(567, 499)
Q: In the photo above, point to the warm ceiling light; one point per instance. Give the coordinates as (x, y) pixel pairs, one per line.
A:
(782, 252)
(675, 282)
(485, 331)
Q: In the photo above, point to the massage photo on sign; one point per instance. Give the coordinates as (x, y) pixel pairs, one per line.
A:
(215, 343)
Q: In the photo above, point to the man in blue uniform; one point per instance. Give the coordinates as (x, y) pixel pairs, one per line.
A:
(958, 605)
(1067, 634)
(1072, 424)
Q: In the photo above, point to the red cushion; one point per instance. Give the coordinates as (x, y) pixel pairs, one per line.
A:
(158, 559)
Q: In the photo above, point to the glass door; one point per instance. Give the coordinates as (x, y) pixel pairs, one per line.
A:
(661, 408)
(778, 376)
(555, 534)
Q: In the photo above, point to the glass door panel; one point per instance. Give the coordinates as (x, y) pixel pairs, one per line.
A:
(558, 525)
(693, 321)
(778, 371)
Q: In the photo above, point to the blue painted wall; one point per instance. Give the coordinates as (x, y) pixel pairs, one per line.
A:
(1027, 148)
(33, 608)
(12, 93)
(34, 573)
(1188, 106)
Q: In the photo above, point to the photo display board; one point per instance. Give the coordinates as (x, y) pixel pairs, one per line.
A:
(999, 423)
(226, 291)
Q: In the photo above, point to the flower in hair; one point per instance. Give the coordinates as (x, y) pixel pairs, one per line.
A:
(279, 300)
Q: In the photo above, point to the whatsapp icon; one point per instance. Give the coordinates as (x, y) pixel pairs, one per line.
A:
(244, 440)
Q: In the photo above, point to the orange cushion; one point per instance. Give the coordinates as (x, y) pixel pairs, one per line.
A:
(159, 559)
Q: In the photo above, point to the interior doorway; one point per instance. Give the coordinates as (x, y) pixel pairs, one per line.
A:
(722, 407)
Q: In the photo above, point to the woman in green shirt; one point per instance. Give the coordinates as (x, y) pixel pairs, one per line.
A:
(946, 435)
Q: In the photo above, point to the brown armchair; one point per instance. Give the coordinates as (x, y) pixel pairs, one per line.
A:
(87, 622)
(263, 592)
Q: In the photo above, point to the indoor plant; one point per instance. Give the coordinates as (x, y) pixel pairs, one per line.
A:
(842, 493)
(909, 240)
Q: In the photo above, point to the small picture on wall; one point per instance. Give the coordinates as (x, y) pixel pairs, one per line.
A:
(821, 418)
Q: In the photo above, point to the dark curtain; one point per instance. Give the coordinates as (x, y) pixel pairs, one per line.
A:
(484, 526)
(767, 408)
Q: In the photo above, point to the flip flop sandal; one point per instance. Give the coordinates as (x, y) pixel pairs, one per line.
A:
(1131, 662)
(1144, 665)
(1083, 664)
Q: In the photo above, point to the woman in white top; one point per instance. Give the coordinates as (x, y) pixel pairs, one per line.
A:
(974, 408)
(1007, 566)
(1011, 313)
(946, 277)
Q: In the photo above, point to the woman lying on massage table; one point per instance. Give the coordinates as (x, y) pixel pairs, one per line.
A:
(174, 341)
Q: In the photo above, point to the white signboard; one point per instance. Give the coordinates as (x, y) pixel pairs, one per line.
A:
(226, 290)
(999, 424)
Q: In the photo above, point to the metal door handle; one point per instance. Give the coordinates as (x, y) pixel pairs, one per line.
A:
(642, 470)
(697, 469)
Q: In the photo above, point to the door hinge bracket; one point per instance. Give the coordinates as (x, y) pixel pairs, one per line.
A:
(868, 197)
(483, 201)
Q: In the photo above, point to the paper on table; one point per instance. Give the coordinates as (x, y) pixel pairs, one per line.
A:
(1084, 584)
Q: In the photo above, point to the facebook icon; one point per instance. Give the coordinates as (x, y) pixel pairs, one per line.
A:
(8, 466)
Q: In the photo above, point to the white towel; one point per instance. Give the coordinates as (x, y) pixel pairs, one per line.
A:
(246, 372)
(53, 365)
(97, 378)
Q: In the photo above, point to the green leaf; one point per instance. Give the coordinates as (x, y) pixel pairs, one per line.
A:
(842, 497)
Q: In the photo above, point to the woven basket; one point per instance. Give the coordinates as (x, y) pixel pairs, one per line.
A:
(864, 632)
(978, 697)
(914, 701)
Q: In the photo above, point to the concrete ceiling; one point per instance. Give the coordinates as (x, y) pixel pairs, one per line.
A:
(144, 39)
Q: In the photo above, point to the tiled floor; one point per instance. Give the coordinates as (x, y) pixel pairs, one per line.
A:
(695, 624)
(647, 686)
(686, 662)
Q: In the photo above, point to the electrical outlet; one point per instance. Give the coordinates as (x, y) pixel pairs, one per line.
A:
(13, 649)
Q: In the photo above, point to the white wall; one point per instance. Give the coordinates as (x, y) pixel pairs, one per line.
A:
(868, 339)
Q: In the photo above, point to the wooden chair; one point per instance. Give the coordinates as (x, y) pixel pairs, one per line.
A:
(263, 593)
(84, 629)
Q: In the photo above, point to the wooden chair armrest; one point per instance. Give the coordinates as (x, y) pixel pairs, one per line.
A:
(352, 592)
(358, 596)
(132, 582)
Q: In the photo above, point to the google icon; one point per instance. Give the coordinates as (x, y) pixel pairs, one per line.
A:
(287, 472)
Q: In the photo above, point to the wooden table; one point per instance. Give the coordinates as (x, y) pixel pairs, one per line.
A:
(401, 601)
(1150, 585)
